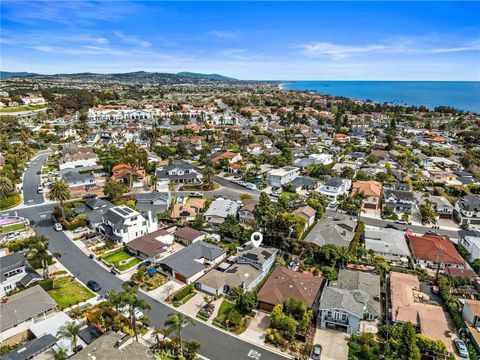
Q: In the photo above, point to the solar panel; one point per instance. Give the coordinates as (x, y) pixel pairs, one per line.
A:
(128, 210)
(122, 211)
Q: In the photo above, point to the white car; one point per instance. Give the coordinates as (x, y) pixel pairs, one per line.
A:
(58, 227)
(40, 189)
(251, 186)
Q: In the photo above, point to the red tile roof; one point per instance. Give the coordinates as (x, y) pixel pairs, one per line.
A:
(434, 248)
(284, 283)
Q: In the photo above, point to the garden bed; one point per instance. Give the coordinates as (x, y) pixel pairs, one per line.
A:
(118, 257)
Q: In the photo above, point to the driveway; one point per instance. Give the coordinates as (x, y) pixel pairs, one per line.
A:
(193, 306)
(334, 343)
(165, 290)
(256, 330)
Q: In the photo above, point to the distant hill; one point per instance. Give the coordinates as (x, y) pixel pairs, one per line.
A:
(207, 76)
(7, 74)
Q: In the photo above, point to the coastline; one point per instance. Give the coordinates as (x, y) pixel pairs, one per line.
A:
(460, 95)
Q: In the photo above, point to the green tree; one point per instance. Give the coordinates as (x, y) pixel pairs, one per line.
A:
(38, 253)
(175, 323)
(245, 302)
(70, 331)
(112, 189)
(6, 187)
(60, 191)
(134, 303)
(208, 174)
(408, 349)
(265, 213)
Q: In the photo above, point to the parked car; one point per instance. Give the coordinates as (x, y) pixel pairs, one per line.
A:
(435, 289)
(196, 194)
(38, 172)
(32, 223)
(40, 189)
(89, 196)
(251, 186)
(130, 283)
(274, 194)
(146, 263)
(93, 285)
(461, 347)
(79, 229)
(317, 351)
(58, 227)
(12, 235)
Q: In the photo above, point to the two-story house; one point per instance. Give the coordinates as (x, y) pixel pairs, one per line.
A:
(334, 187)
(245, 213)
(123, 224)
(219, 209)
(372, 190)
(470, 240)
(399, 199)
(467, 210)
(353, 297)
(262, 257)
(15, 272)
(77, 181)
(73, 156)
(282, 176)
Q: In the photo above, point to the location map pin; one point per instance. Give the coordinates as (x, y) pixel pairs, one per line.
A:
(256, 238)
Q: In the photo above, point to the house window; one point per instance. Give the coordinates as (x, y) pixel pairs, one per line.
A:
(329, 313)
(337, 315)
(344, 317)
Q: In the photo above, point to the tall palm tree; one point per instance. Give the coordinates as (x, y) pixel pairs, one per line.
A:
(6, 186)
(60, 191)
(134, 303)
(70, 331)
(116, 300)
(175, 323)
(208, 173)
(38, 251)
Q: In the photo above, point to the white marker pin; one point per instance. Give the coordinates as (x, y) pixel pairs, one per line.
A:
(256, 239)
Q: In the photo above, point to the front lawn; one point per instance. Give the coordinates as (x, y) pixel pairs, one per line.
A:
(224, 310)
(13, 227)
(147, 282)
(67, 292)
(116, 257)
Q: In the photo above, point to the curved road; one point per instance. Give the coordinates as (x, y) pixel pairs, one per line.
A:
(31, 180)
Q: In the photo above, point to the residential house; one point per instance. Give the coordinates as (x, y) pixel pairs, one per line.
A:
(304, 183)
(308, 213)
(73, 156)
(16, 272)
(471, 312)
(282, 176)
(334, 187)
(262, 257)
(94, 209)
(245, 213)
(32, 349)
(188, 211)
(353, 297)
(467, 210)
(442, 176)
(219, 209)
(254, 149)
(372, 190)
(193, 261)
(228, 156)
(112, 345)
(400, 201)
(151, 246)
(409, 304)
(79, 182)
(22, 310)
(178, 174)
(324, 159)
(187, 235)
(338, 231)
(128, 175)
(286, 283)
(389, 243)
(123, 224)
(434, 250)
(442, 207)
(251, 266)
(341, 138)
(156, 201)
(470, 240)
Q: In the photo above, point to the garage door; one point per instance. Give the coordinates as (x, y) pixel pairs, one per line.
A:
(181, 278)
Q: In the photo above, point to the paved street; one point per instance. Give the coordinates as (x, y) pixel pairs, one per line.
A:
(215, 343)
(31, 180)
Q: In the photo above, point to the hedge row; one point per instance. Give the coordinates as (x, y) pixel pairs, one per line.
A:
(183, 292)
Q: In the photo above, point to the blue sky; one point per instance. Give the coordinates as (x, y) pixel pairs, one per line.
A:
(246, 40)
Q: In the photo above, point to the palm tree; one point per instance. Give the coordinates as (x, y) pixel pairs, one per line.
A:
(159, 334)
(38, 251)
(153, 182)
(60, 191)
(70, 331)
(175, 323)
(208, 173)
(6, 186)
(116, 300)
(134, 303)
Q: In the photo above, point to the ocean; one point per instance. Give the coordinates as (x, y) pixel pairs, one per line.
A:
(462, 95)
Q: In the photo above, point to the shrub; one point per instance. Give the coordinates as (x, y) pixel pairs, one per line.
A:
(46, 284)
(183, 292)
(10, 201)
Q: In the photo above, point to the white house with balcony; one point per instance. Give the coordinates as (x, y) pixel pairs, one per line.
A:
(123, 224)
(335, 187)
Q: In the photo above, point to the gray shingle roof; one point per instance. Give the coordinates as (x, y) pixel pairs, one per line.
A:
(334, 298)
(338, 231)
(11, 262)
(470, 203)
(25, 305)
(387, 241)
(185, 261)
(222, 208)
(32, 348)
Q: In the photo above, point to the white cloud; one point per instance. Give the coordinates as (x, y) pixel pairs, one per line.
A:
(131, 39)
(226, 34)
